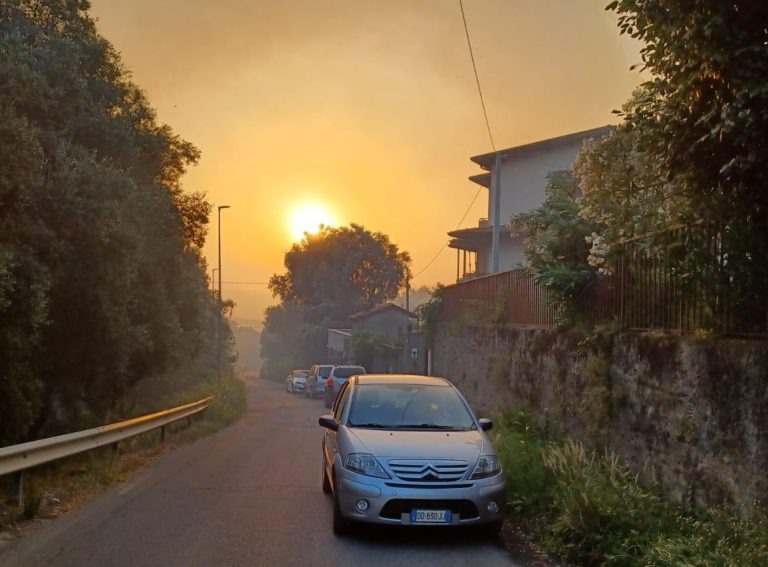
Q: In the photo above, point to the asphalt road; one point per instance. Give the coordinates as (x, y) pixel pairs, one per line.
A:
(248, 495)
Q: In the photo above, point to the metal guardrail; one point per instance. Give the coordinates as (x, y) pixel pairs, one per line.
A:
(17, 458)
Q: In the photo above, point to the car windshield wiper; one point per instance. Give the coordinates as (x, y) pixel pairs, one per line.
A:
(369, 425)
(428, 426)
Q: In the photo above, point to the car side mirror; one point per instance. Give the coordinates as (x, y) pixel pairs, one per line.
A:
(485, 424)
(328, 422)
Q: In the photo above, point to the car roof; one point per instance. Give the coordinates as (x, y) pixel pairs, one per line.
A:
(414, 379)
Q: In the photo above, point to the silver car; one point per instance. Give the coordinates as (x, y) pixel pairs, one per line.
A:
(407, 450)
(336, 379)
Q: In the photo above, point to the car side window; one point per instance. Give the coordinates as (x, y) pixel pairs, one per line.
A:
(341, 399)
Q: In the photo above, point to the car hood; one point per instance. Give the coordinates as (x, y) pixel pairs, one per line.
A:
(463, 445)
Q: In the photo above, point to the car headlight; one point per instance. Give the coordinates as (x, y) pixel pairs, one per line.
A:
(487, 465)
(364, 463)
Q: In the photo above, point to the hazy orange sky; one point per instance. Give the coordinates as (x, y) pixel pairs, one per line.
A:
(366, 107)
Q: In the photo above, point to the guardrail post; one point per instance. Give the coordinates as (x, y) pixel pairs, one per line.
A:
(17, 488)
(162, 434)
(116, 448)
(189, 421)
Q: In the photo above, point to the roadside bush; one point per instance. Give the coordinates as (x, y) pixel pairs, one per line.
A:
(228, 404)
(589, 509)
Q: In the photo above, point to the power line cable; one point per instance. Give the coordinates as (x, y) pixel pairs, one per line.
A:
(487, 126)
(477, 78)
(443, 247)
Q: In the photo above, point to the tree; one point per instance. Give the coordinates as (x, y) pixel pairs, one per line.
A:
(623, 192)
(349, 268)
(368, 347)
(556, 241)
(330, 276)
(705, 114)
(102, 282)
(429, 313)
(704, 120)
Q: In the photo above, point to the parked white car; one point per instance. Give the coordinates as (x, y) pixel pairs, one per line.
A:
(296, 381)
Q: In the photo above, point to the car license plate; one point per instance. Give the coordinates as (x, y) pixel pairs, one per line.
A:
(430, 516)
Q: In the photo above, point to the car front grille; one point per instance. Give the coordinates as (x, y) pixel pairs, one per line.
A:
(465, 509)
(412, 470)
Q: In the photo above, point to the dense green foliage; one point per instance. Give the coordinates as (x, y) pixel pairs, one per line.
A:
(703, 119)
(102, 283)
(429, 314)
(330, 276)
(346, 269)
(367, 347)
(691, 151)
(589, 509)
(556, 241)
(705, 112)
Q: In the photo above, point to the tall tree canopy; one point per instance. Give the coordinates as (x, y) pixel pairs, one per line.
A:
(330, 275)
(349, 268)
(705, 112)
(102, 282)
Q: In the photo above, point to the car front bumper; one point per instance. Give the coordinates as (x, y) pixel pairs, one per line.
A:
(390, 501)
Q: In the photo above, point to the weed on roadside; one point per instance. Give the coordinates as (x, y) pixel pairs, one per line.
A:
(588, 508)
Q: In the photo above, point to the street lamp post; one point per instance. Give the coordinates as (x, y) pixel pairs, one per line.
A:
(218, 358)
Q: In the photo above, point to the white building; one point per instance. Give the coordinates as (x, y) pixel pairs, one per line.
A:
(516, 178)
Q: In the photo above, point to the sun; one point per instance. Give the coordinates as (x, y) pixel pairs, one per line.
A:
(307, 218)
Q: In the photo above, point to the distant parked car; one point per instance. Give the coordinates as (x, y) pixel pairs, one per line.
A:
(296, 381)
(336, 379)
(407, 450)
(318, 374)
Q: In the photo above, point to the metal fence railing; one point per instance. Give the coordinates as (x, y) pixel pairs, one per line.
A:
(685, 279)
(16, 458)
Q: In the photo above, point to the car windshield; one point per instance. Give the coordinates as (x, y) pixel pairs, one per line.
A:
(324, 372)
(347, 372)
(409, 406)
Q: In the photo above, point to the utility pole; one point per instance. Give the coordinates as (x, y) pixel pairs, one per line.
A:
(496, 184)
(407, 295)
(218, 350)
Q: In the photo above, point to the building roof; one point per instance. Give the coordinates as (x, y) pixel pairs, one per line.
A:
(481, 232)
(486, 160)
(343, 332)
(380, 309)
(483, 179)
